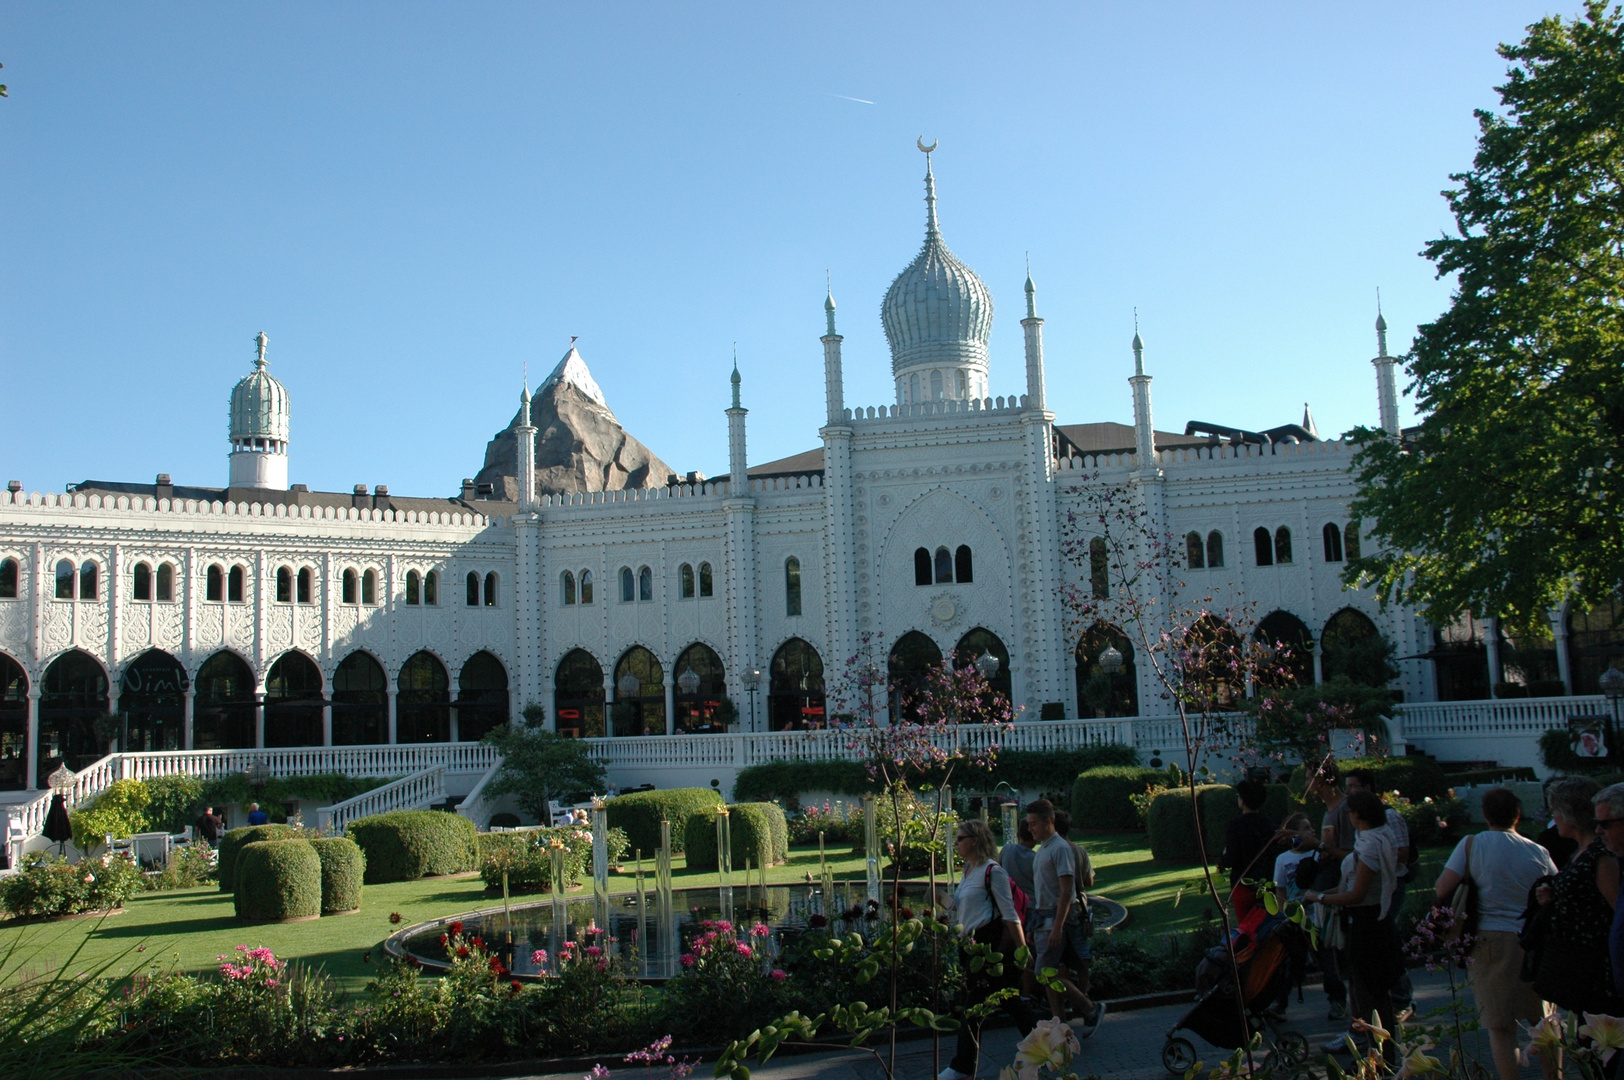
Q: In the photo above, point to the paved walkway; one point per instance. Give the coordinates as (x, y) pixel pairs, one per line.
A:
(1127, 1047)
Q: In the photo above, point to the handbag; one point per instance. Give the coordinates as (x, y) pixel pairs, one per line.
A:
(1463, 904)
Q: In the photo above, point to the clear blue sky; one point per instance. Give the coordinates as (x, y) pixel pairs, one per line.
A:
(413, 200)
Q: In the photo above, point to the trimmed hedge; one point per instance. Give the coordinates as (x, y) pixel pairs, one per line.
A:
(278, 880)
(754, 826)
(1100, 796)
(786, 781)
(232, 842)
(641, 812)
(343, 867)
(1172, 833)
(1415, 778)
(404, 845)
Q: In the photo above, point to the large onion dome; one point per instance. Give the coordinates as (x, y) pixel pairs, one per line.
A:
(259, 406)
(937, 312)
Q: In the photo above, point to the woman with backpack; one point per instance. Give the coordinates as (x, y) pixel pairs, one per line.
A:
(985, 907)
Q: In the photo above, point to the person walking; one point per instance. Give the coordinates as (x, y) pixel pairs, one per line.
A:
(1335, 842)
(985, 909)
(1057, 921)
(208, 827)
(1016, 857)
(1364, 896)
(1574, 970)
(1365, 780)
(1502, 867)
(1249, 846)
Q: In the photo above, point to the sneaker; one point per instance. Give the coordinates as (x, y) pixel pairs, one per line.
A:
(950, 1073)
(1339, 1011)
(1339, 1045)
(1092, 1024)
(1276, 1011)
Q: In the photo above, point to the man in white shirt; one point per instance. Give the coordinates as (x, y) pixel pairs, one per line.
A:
(1057, 920)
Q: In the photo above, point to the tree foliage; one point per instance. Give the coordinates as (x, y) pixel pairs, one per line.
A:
(538, 766)
(1509, 498)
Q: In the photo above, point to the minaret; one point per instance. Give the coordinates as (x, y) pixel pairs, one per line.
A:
(1386, 379)
(260, 411)
(833, 381)
(1034, 346)
(738, 476)
(525, 433)
(1144, 432)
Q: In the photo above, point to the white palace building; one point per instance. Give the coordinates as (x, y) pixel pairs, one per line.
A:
(371, 633)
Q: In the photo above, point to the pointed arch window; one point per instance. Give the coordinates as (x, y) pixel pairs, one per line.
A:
(1350, 541)
(936, 386)
(913, 388)
(628, 585)
(963, 386)
(645, 584)
(963, 568)
(88, 588)
(1215, 550)
(236, 585)
(471, 589)
(490, 589)
(215, 587)
(707, 585)
(1099, 569)
(922, 571)
(586, 586)
(685, 581)
(1332, 538)
(1282, 546)
(65, 577)
(431, 588)
(348, 589)
(566, 583)
(8, 579)
(944, 566)
(284, 585)
(792, 586)
(165, 591)
(1194, 557)
(1262, 546)
(413, 585)
(369, 587)
(141, 586)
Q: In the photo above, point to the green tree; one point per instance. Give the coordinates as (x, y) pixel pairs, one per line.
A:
(1510, 497)
(538, 766)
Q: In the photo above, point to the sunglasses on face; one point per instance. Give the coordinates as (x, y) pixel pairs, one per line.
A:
(1602, 823)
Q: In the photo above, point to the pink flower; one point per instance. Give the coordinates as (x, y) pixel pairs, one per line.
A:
(779, 974)
(759, 930)
(594, 951)
(744, 950)
(539, 957)
(688, 959)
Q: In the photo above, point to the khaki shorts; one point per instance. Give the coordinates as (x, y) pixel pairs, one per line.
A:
(1495, 974)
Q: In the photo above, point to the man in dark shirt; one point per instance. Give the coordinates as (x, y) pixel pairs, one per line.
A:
(256, 816)
(208, 827)
(1249, 846)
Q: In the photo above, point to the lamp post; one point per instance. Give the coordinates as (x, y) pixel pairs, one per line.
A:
(258, 775)
(1111, 661)
(1612, 684)
(61, 780)
(752, 678)
(987, 665)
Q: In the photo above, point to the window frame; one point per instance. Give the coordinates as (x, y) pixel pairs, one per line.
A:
(586, 584)
(628, 585)
(707, 581)
(67, 585)
(792, 587)
(470, 595)
(304, 586)
(686, 586)
(237, 584)
(431, 589)
(369, 588)
(163, 583)
(414, 588)
(566, 588)
(1331, 541)
(89, 580)
(284, 585)
(492, 585)
(10, 578)
(350, 586)
(141, 582)
(214, 584)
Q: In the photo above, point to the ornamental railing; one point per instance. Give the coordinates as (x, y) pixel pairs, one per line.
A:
(415, 792)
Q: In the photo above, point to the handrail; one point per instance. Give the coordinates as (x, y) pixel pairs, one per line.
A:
(413, 792)
(473, 806)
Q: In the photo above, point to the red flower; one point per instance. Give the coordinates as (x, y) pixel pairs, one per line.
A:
(394, 917)
(462, 952)
(478, 942)
(414, 961)
(456, 929)
(516, 985)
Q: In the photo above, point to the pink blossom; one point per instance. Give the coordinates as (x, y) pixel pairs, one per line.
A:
(689, 959)
(779, 974)
(759, 930)
(744, 950)
(539, 957)
(594, 951)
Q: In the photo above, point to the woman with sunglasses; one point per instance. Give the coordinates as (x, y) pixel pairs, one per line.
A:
(984, 908)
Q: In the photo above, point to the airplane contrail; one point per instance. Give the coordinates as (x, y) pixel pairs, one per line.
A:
(847, 97)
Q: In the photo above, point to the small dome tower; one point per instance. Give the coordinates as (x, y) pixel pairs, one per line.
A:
(938, 319)
(259, 427)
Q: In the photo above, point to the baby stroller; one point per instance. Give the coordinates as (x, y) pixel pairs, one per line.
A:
(1267, 952)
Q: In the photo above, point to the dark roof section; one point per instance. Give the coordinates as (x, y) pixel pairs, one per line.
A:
(298, 496)
(806, 463)
(1109, 438)
(1216, 433)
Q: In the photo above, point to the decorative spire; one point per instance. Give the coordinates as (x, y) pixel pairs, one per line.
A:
(735, 379)
(1138, 346)
(1308, 421)
(1381, 327)
(1031, 290)
(260, 341)
(933, 231)
(829, 304)
(524, 399)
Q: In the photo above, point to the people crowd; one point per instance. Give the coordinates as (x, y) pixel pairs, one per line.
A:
(1543, 928)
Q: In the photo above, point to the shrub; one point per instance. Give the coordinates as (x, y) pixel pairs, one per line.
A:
(174, 802)
(527, 856)
(119, 811)
(786, 781)
(1101, 798)
(189, 866)
(233, 841)
(1172, 831)
(1432, 821)
(404, 845)
(278, 880)
(343, 865)
(1413, 777)
(724, 985)
(840, 823)
(753, 827)
(641, 812)
(48, 885)
(1048, 771)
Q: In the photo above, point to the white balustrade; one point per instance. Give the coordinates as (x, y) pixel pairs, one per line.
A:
(415, 792)
(474, 806)
(1498, 717)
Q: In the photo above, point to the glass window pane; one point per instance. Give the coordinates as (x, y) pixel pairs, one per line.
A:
(87, 581)
(284, 585)
(569, 588)
(431, 588)
(369, 587)
(216, 590)
(8, 579)
(305, 588)
(349, 586)
(705, 584)
(490, 589)
(411, 586)
(792, 587)
(586, 586)
(645, 584)
(142, 585)
(944, 566)
(166, 582)
(234, 585)
(685, 576)
(628, 585)
(473, 590)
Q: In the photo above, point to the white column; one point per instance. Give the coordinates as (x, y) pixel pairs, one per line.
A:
(1033, 326)
(188, 698)
(670, 685)
(113, 688)
(391, 692)
(326, 722)
(32, 775)
(259, 718)
(1559, 632)
(609, 700)
(1491, 643)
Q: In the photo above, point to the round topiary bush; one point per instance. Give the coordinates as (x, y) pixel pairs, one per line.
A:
(404, 845)
(278, 880)
(343, 866)
(232, 842)
(755, 828)
(1172, 828)
(641, 812)
(1100, 797)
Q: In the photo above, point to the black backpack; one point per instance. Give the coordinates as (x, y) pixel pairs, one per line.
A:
(1306, 871)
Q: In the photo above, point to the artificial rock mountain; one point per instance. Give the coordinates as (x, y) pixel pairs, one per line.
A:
(580, 446)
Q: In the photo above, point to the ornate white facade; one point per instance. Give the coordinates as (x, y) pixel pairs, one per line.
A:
(812, 554)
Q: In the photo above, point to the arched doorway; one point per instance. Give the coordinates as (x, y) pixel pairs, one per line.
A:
(1101, 693)
(13, 724)
(795, 692)
(978, 643)
(1287, 651)
(578, 695)
(360, 702)
(482, 696)
(73, 696)
(423, 705)
(152, 704)
(223, 709)
(909, 666)
(293, 702)
(642, 711)
(1354, 647)
(1212, 665)
(697, 712)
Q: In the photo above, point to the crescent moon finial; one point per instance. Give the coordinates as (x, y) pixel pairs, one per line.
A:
(923, 148)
